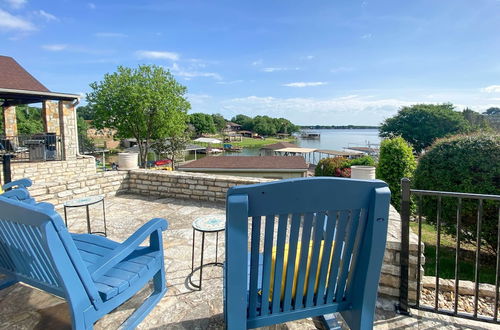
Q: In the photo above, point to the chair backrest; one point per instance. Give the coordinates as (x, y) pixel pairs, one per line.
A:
(36, 248)
(342, 226)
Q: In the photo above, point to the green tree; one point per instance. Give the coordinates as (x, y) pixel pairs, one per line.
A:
(264, 125)
(29, 120)
(86, 144)
(477, 121)
(145, 103)
(86, 112)
(492, 111)
(422, 124)
(467, 164)
(396, 161)
(245, 122)
(171, 147)
(203, 123)
(219, 121)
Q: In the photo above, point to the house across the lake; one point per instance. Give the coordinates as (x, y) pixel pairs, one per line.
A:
(272, 167)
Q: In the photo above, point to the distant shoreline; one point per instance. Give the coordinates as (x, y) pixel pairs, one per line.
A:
(339, 127)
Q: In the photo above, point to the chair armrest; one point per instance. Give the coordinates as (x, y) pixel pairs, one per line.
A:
(22, 183)
(20, 194)
(152, 227)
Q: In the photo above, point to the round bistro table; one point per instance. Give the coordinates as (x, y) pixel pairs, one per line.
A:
(87, 201)
(207, 224)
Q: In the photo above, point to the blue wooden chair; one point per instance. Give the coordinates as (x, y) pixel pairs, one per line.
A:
(316, 248)
(18, 190)
(94, 274)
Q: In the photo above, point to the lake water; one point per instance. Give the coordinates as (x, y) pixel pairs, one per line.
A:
(331, 139)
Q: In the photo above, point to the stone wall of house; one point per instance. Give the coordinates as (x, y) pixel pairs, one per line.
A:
(9, 121)
(68, 129)
(50, 116)
(53, 171)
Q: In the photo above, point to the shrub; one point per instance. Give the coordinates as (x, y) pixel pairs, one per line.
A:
(468, 164)
(362, 161)
(396, 161)
(336, 166)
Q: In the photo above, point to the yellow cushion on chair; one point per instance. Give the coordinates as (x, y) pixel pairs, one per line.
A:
(296, 270)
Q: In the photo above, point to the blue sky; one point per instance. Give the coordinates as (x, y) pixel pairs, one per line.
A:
(313, 62)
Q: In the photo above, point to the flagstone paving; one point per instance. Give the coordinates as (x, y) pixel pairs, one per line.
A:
(22, 307)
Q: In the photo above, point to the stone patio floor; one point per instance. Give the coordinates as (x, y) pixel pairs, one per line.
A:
(22, 307)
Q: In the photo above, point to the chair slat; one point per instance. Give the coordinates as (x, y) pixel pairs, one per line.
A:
(278, 264)
(266, 271)
(304, 254)
(254, 267)
(327, 253)
(15, 254)
(356, 249)
(337, 250)
(27, 246)
(292, 255)
(33, 237)
(347, 255)
(319, 224)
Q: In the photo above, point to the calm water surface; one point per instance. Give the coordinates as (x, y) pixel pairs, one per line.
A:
(331, 139)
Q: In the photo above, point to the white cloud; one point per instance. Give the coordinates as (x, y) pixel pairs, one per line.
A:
(257, 62)
(232, 82)
(309, 57)
(110, 35)
(157, 55)
(279, 69)
(188, 74)
(11, 22)
(55, 47)
(91, 5)
(305, 84)
(366, 36)
(16, 4)
(47, 16)
(492, 89)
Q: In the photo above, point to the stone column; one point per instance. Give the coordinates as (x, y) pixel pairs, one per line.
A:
(9, 121)
(50, 116)
(68, 129)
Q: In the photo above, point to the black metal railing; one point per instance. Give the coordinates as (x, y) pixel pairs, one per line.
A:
(461, 198)
(32, 147)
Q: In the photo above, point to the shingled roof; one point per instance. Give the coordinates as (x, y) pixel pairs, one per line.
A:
(279, 145)
(247, 162)
(14, 76)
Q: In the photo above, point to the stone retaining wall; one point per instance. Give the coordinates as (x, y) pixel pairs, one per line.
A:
(185, 185)
(59, 191)
(52, 171)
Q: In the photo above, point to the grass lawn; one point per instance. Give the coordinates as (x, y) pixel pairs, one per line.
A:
(447, 257)
(256, 143)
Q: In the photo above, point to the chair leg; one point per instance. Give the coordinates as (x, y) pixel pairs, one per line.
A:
(329, 321)
(159, 290)
(78, 321)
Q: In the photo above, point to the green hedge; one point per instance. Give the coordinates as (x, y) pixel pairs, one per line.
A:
(396, 161)
(468, 164)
